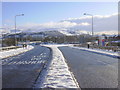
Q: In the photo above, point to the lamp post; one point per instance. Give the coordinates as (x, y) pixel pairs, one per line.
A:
(15, 27)
(92, 22)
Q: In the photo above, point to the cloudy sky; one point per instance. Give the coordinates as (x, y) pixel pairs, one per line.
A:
(69, 15)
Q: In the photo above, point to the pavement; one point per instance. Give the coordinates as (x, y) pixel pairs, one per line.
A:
(22, 71)
(92, 70)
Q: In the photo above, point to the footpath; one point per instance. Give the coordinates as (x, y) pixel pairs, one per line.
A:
(13, 52)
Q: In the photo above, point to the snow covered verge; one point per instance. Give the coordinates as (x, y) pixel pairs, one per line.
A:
(58, 74)
(99, 51)
(13, 52)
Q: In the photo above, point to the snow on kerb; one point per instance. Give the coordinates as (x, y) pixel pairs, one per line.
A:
(13, 52)
(98, 51)
(58, 74)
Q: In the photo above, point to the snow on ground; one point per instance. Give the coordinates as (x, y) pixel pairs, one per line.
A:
(58, 74)
(108, 52)
(13, 52)
(65, 32)
(99, 51)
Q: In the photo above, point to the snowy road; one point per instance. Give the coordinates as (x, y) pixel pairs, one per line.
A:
(21, 71)
(90, 69)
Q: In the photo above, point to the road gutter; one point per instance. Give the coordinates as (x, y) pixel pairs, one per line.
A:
(98, 52)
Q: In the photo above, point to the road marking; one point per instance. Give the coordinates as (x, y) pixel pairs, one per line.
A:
(34, 60)
(26, 62)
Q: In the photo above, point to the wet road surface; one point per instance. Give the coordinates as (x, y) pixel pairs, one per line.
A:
(92, 70)
(21, 71)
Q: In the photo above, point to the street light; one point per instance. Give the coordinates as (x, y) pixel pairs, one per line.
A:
(15, 27)
(92, 22)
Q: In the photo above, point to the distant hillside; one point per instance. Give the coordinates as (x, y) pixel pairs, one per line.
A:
(53, 33)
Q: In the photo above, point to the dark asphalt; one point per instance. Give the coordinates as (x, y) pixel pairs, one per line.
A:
(92, 70)
(21, 71)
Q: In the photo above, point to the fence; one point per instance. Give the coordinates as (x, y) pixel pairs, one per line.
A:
(8, 48)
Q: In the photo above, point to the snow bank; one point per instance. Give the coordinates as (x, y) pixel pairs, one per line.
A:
(58, 74)
(13, 52)
(106, 52)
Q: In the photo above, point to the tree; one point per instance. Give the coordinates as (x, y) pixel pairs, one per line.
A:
(8, 42)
